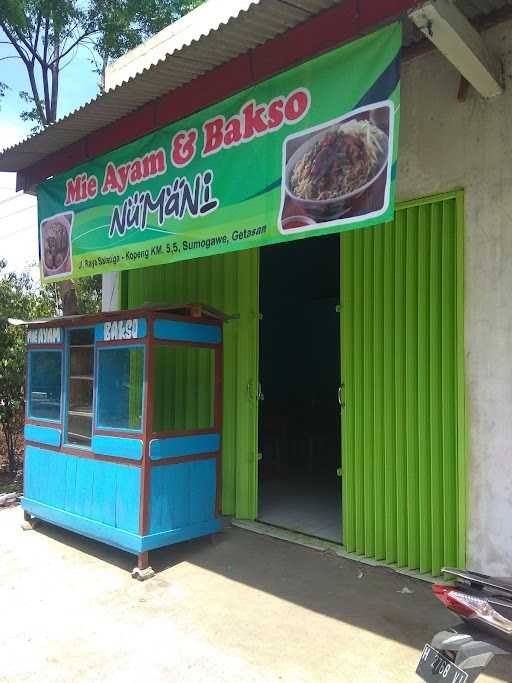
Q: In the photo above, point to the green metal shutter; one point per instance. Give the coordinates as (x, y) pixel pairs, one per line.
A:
(403, 425)
(229, 282)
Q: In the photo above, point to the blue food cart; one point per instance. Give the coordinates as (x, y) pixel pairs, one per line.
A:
(110, 452)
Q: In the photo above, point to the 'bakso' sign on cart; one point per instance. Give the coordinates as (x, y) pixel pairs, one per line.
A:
(308, 152)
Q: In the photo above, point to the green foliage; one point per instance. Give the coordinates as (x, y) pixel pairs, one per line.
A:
(18, 299)
(31, 115)
(21, 298)
(88, 295)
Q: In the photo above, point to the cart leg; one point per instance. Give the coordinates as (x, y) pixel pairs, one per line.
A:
(143, 561)
(29, 523)
(143, 570)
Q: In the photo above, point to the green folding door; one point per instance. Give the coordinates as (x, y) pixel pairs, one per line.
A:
(230, 283)
(403, 424)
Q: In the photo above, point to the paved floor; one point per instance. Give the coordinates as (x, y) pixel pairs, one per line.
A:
(310, 506)
(245, 608)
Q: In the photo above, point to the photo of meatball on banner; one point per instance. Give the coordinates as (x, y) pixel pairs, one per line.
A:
(338, 172)
(55, 245)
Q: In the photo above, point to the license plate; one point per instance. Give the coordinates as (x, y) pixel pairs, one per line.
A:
(434, 667)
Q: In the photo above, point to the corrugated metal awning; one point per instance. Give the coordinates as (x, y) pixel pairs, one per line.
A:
(262, 20)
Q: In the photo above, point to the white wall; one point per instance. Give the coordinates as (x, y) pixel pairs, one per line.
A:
(445, 145)
(110, 291)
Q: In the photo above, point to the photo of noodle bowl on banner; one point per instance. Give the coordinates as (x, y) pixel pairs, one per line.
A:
(337, 171)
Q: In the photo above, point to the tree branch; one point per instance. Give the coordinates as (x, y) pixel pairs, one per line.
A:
(55, 94)
(24, 40)
(61, 68)
(65, 35)
(74, 44)
(46, 91)
(54, 68)
(35, 93)
(45, 39)
(36, 37)
(44, 69)
(13, 42)
(33, 53)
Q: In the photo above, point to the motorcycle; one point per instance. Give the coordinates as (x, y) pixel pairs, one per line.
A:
(460, 654)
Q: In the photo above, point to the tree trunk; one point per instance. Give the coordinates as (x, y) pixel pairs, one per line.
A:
(68, 296)
(67, 288)
(55, 79)
(104, 63)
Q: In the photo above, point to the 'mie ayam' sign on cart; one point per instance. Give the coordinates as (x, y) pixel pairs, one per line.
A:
(308, 152)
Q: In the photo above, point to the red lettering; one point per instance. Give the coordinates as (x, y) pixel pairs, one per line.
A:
(117, 178)
(74, 190)
(275, 113)
(80, 189)
(213, 135)
(92, 187)
(154, 163)
(254, 120)
(233, 133)
(136, 171)
(122, 175)
(183, 147)
(110, 183)
(254, 124)
(297, 105)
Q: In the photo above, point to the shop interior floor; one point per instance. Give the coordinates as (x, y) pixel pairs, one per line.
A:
(310, 506)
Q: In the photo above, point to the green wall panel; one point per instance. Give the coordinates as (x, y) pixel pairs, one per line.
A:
(228, 282)
(185, 375)
(403, 425)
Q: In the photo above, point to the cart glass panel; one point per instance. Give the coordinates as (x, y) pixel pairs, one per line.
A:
(120, 388)
(45, 384)
(80, 387)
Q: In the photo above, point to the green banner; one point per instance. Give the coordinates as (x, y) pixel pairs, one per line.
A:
(308, 152)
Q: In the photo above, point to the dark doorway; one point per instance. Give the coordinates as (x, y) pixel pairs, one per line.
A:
(299, 427)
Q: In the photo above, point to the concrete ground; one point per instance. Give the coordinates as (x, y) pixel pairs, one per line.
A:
(245, 608)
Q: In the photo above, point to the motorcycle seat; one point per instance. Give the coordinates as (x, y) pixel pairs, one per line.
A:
(483, 581)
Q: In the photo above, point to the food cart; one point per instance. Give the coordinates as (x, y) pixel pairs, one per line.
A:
(110, 452)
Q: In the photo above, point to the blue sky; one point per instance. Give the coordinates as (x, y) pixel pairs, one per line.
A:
(78, 84)
(18, 215)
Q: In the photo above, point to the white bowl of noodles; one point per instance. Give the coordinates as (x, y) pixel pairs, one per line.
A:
(335, 166)
(56, 245)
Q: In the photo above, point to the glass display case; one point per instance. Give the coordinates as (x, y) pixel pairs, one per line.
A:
(123, 425)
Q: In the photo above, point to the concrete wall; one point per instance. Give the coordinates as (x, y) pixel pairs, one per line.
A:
(444, 145)
(110, 291)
